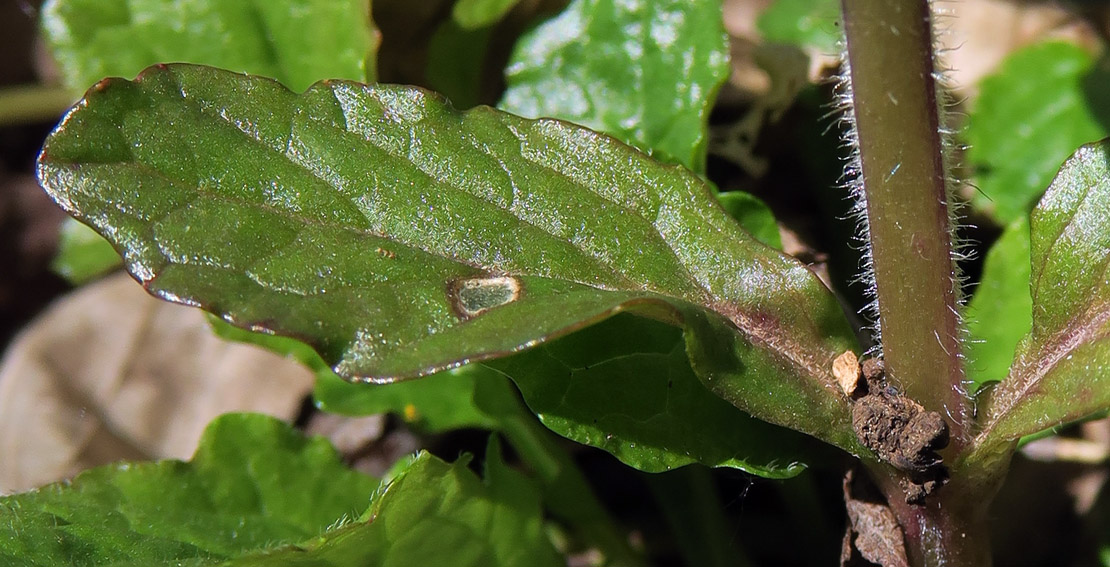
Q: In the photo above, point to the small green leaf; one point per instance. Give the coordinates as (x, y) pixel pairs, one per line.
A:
(474, 14)
(754, 215)
(1001, 311)
(434, 513)
(400, 237)
(644, 72)
(254, 483)
(806, 23)
(83, 255)
(1061, 370)
(1028, 118)
(296, 42)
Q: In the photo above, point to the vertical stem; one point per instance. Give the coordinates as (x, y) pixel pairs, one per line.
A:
(950, 530)
(902, 171)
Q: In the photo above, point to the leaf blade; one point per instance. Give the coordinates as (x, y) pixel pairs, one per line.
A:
(258, 204)
(234, 497)
(646, 73)
(1060, 368)
(1028, 119)
(297, 43)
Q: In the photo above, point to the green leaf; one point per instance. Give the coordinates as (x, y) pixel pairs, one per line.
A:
(1001, 311)
(752, 214)
(254, 483)
(434, 513)
(400, 237)
(644, 72)
(474, 14)
(1029, 117)
(806, 23)
(625, 385)
(436, 403)
(296, 42)
(83, 255)
(456, 63)
(1061, 370)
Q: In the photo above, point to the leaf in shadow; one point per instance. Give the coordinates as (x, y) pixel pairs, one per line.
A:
(1001, 311)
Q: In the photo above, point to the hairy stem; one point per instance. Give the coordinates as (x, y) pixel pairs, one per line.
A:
(894, 98)
(950, 530)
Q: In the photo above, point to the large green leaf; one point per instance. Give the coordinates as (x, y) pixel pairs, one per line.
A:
(644, 72)
(1001, 311)
(297, 42)
(400, 237)
(435, 513)
(1029, 117)
(254, 483)
(1061, 370)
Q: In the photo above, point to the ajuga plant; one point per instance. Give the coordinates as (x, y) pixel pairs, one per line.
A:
(594, 276)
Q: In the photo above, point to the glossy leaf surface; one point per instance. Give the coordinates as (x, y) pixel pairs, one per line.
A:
(1045, 101)
(1001, 311)
(93, 39)
(254, 483)
(400, 237)
(644, 72)
(297, 42)
(1061, 370)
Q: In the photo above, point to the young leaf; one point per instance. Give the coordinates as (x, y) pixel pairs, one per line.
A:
(400, 237)
(253, 483)
(1061, 370)
(1001, 311)
(435, 513)
(297, 42)
(1028, 118)
(806, 23)
(644, 72)
(752, 214)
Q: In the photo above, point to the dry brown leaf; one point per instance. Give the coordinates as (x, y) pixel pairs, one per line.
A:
(110, 373)
(878, 537)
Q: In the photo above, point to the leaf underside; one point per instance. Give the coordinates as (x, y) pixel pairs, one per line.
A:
(1061, 370)
(399, 237)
